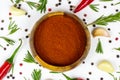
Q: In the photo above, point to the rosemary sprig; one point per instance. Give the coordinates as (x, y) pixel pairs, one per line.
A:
(94, 7)
(32, 4)
(8, 40)
(12, 27)
(36, 74)
(29, 59)
(99, 47)
(40, 6)
(104, 20)
(106, 0)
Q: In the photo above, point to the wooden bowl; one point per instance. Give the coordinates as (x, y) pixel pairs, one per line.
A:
(59, 41)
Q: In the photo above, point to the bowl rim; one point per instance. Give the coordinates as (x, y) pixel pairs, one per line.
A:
(53, 67)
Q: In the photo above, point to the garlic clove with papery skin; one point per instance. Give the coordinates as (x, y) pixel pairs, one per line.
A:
(17, 12)
(105, 66)
(99, 31)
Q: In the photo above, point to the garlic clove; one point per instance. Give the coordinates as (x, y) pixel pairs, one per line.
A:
(100, 32)
(17, 12)
(105, 66)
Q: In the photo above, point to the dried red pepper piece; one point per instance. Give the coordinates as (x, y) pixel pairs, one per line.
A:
(7, 65)
(82, 5)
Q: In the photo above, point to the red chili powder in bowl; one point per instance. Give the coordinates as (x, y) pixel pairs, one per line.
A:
(60, 40)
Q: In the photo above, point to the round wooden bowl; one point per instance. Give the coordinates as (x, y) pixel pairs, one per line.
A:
(59, 41)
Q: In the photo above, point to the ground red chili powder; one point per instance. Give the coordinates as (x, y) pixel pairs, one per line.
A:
(60, 40)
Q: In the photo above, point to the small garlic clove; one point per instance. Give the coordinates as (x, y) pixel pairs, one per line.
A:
(105, 66)
(17, 12)
(100, 32)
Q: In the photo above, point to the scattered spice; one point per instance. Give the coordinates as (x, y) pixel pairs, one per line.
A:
(109, 29)
(104, 6)
(26, 30)
(85, 15)
(20, 73)
(118, 56)
(7, 65)
(87, 78)
(4, 48)
(21, 64)
(94, 25)
(10, 13)
(29, 16)
(1, 28)
(89, 73)
(101, 78)
(49, 9)
(110, 41)
(116, 38)
(117, 10)
(2, 21)
(92, 63)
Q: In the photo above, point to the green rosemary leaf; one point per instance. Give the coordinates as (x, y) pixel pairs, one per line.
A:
(118, 72)
(36, 74)
(94, 7)
(29, 59)
(67, 77)
(104, 20)
(117, 3)
(54, 72)
(42, 7)
(99, 47)
(115, 78)
(1, 46)
(25, 78)
(12, 27)
(12, 1)
(32, 4)
(117, 48)
(8, 40)
(106, 0)
(18, 1)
